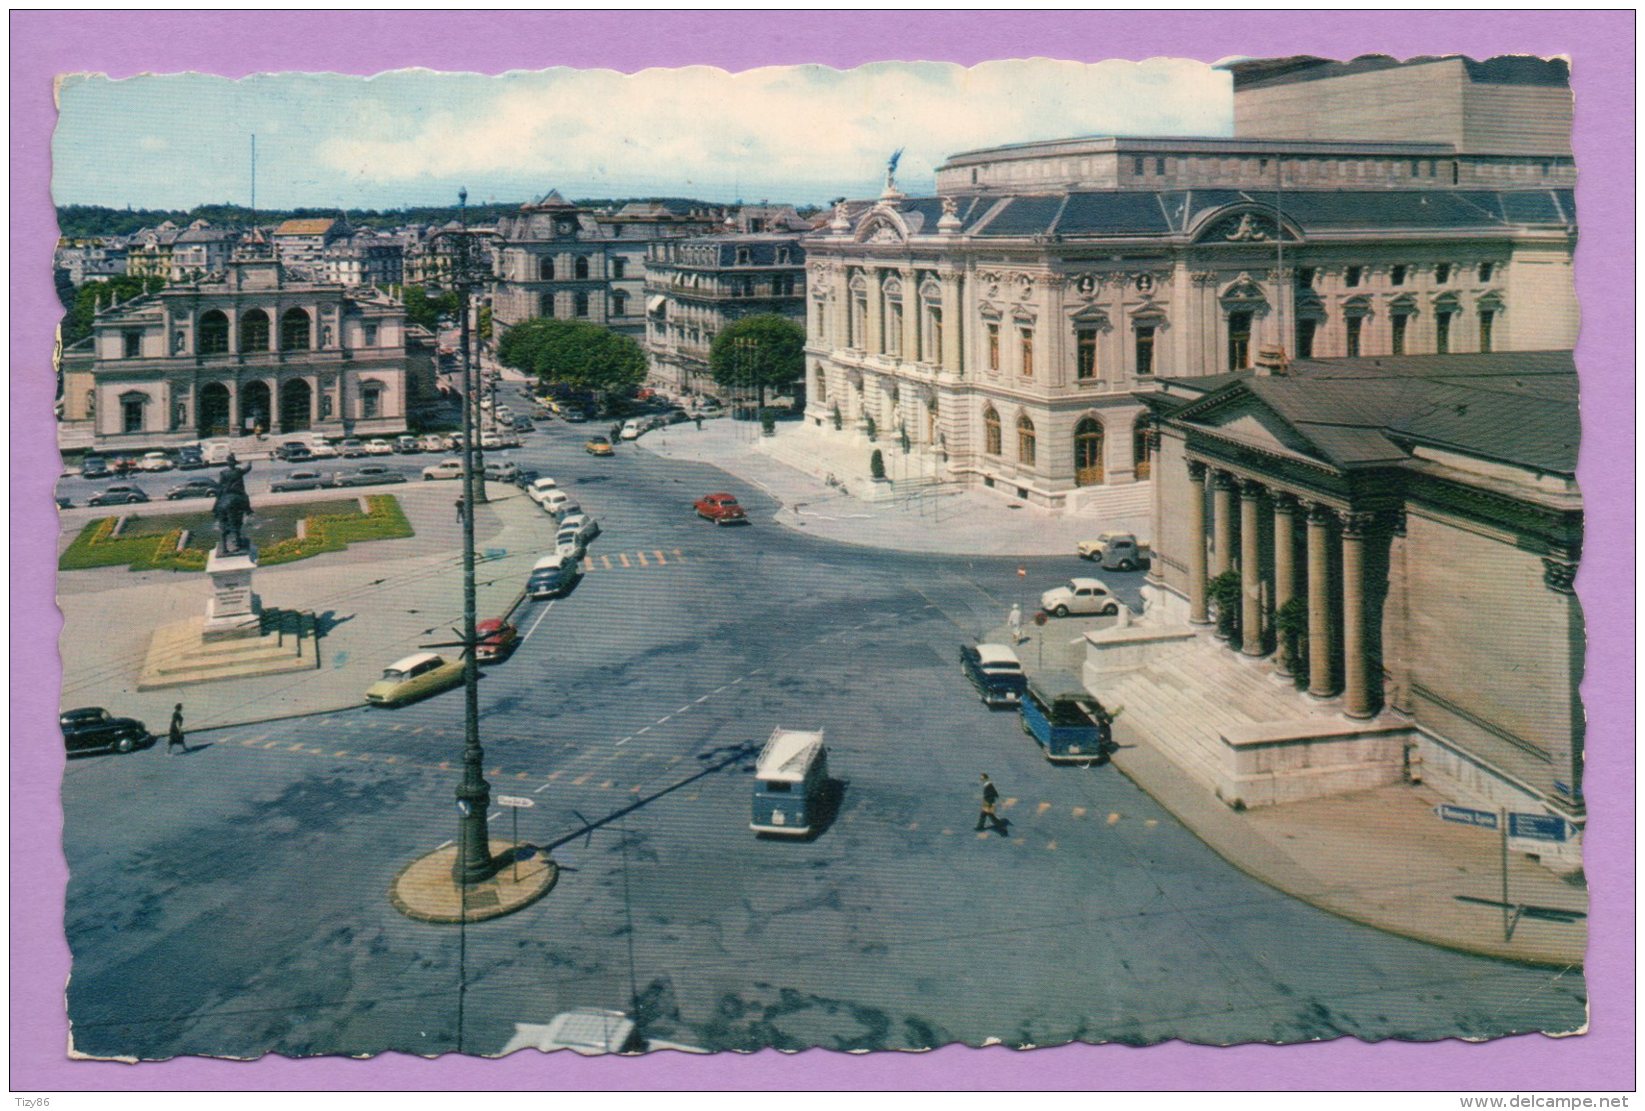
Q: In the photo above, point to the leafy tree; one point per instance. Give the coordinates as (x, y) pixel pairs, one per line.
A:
(123, 287)
(574, 353)
(425, 310)
(766, 351)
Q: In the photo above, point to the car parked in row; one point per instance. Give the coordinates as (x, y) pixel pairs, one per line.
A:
(93, 729)
(1083, 596)
(95, 466)
(496, 640)
(575, 533)
(407, 445)
(379, 446)
(540, 488)
(322, 449)
(193, 488)
(445, 468)
(416, 676)
(1113, 551)
(190, 457)
(118, 495)
(721, 508)
(552, 576)
(294, 451)
(352, 449)
(431, 441)
(155, 461)
(996, 672)
(372, 474)
(501, 472)
(302, 480)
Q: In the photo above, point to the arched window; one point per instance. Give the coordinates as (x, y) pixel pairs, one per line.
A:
(1142, 455)
(254, 331)
(1025, 441)
(581, 303)
(580, 267)
(991, 432)
(545, 269)
(1088, 452)
(132, 408)
(213, 333)
(294, 330)
(371, 399)
(545, 306)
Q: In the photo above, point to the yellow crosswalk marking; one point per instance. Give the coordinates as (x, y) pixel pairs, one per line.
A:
(552, 776)
(1008, 803)
(677, 554)
(606, 786)
(581, 779)
(948, 833)
(1052, 845)
(641, 557)
(624, 558)
(1042, 808)
(1151, 823)
(1079, 811)
(605, 561)
(1113, 819)
(659, 556)
(588, 565)
(522, 775)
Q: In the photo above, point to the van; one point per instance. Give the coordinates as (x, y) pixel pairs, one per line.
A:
(789, 779)
(217, 451)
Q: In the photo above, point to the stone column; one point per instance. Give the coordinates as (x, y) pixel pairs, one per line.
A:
(842, 303)
(1359, 700)
(1196, 544)
(952, 360)
(875, 340)
(1156, 567)
(910, 316)
(1222, 521)
(1250, 567)
(1320, 683)
(1285, 570)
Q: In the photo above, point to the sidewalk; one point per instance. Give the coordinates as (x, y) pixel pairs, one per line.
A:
(379, 601)
(943, 520)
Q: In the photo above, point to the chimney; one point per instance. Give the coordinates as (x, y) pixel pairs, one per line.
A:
(1271, 360)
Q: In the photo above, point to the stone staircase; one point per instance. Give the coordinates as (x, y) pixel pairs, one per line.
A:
(179, 655)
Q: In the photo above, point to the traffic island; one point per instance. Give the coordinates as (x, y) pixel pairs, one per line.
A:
(424, 889)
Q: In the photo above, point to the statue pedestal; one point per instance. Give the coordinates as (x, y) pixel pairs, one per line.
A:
(233, 611)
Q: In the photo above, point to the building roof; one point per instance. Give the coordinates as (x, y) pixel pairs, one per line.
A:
(305, 227)
(1514, 407)
(1503, 70)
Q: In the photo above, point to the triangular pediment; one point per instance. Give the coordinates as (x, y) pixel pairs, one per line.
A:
(1240, 416)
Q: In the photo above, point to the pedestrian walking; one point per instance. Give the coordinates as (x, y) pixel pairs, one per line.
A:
(174, 735)
(1014, 619)
(698, 417)
(990, 801)
(460, 507)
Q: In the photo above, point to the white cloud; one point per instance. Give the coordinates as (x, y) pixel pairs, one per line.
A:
(153, 143)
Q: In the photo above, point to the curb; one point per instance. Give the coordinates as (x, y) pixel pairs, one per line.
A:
(360, 705)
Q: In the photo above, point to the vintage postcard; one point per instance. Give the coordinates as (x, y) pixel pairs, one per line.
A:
(880, 558)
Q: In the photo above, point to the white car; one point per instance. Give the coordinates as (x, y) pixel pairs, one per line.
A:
(445, 468)
(539, 489)
(1079, 596)
(577, 527)
(379, 447)
(631, 430)
(490, 441)
(587, 1031)
(432, 442)
(554, 501)
(155, 461)
(322, 449)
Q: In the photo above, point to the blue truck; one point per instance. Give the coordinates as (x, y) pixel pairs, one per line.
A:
(1070, 728)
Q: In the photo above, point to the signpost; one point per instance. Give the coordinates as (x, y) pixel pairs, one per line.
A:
(1533, 827)
(515, 804)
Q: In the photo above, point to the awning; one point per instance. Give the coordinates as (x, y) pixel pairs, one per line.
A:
(654, 305)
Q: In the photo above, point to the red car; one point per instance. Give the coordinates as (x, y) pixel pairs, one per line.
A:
(722, 509)
(497, 639)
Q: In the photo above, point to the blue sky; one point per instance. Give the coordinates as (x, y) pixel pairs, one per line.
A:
(802, 134)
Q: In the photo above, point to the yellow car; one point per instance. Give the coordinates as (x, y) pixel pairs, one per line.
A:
(598, 445)
(415, 677)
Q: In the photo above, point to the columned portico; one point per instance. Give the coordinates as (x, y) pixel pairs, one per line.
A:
(1285, 571)
(1197, 610)
(1250, 567)
(1222, 521)
(1319, 602)
(1358, 700)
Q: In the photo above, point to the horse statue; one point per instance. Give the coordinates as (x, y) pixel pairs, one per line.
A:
(232, 507)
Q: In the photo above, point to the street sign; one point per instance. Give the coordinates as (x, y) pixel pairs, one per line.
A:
(514, 800)
(1484, 819)
(1536, 827)
(462, 807)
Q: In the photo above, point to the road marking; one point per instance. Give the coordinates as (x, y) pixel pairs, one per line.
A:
(686, 707)
(662, 719)
(1041, 808)
(634, 790)
(640, 732)
(581, 779)
(1079, 811)
(703, 699)
(735, 681)
(677, 554)
(641, 557)
(1008, 803)
(672, 760)
(537, 622)
(982, 834)
(659, 556)
(624, 558)
(552, 776)
(396, 727)
(588, 565)
(493, 815)
(1052, 845)
(522, 775)
(447, 845)
(341, 752)
(718, 689)
(1113, 819)
(606, 786)
(541, 789)
(912, 826)
(1019, 840)
(272, 744)
(1151, 823)
(624, 741)
(419, 731)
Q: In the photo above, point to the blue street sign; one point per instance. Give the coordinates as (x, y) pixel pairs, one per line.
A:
(1484, 819)
(462, 807)
(1536, 827)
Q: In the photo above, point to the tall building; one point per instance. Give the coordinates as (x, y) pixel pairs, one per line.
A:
(1008, 321)
(201, 250)
(364, 258)
(300, 244)
(253, 349)
(695, 287)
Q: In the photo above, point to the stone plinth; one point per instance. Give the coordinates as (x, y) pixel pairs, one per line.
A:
(233, 610)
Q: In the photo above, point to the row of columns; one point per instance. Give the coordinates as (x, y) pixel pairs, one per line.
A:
(1360, 698)
(873, 323)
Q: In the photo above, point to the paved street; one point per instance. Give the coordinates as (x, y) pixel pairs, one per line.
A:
(233, 900)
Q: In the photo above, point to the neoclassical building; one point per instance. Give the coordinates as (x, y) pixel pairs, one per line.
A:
(1420, 516)
(253, 349)
(1007, 322)
(695, 287)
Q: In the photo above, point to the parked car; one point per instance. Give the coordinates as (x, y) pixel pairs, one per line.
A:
(996, 672)
(525, 476)
(122, 464)
(445, 468)
(576, 416)
(490, 441)
(598, 445)
(118, 495)
(540, 488)
(372, 474)
(552, 576)
(553, 501)
(1071, 728)
(574, 534)
(93, 729)
(432, 441)
(789, 779)
(216, 451)
(497, 640)
(64, 503)
(302, 480)
(352, 449)
(1079, 596)
(631, 430)
(454, 441)
(523, 424)
(721, 508)
(379, 446)
(190, 457)
(501, 472)
(1114, 551)
(417, 676)
(295, 451)
(407, 445)
(153, 461)
(95, 466)
(322, 449)
(193, 488)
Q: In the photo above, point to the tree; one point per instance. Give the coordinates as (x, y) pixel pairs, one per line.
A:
(425, 310)
(574, 353)
(77, 324)
(876, 465)
(766, 351)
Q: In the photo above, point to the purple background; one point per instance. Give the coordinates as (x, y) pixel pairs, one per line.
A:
(1600, 47)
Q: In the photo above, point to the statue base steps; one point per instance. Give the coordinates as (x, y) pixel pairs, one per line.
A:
(187, 652)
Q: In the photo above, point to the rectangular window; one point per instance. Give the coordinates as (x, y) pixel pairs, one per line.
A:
(134, 345)
(1442, 273)
(1305, 277)
(1085, 353)
(131, 415)
(1145, 350)
(618, 265)
(993, 347)
(1399, 322)
(371, 335)
(1239, 340)
(1485, 271)
(1351, 278)
(1027, 335)
(1442, 333)
(1487, 321)
(1396, 275)
(1159, 165)
(893, 328)
(1137, 167)
(1305, 337)
(1354, 323)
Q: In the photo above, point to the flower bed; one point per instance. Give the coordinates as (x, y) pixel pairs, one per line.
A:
(97, 546)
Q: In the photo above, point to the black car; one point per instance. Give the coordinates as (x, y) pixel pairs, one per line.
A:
(996, 673)
(118, 495)
(64, 503)
(93, 729)
(523, 424)
(372, 474)
(95, 466)
(295, 452)
(193, 488)
(190, 458)
(576, 416)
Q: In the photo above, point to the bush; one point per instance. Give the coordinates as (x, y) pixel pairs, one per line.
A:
(902, 438)
(835, 413)
(1291, 624)
(768, 422)
(1224, 593)
(871, 428)
(876, 465)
